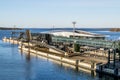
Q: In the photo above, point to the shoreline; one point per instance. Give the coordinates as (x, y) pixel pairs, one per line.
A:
(7, 28)
(115, 30)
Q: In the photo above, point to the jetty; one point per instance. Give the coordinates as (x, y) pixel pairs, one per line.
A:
(89, 51)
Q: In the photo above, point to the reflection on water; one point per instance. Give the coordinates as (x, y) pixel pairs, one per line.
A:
(93, 73)
(106, 77)
(28, 67)
(28, 57)
(15, 65)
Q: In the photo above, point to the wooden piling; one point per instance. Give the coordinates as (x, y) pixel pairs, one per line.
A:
(116, 71)
(77, 62)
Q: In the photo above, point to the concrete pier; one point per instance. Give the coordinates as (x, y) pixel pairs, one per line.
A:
(70, 61)
(78, 61)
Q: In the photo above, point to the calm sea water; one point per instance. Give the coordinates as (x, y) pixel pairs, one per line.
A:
(15, 65)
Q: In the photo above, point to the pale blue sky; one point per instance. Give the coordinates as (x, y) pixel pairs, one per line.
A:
(61, 13)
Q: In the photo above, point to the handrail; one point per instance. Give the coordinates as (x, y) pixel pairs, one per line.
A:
(87, 42)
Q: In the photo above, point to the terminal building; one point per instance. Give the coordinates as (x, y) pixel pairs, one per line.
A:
(78, 34)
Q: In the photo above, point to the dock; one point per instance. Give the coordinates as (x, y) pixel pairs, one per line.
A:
(89, 57)
(53, 55)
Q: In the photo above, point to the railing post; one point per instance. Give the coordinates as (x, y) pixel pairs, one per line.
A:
(114, 61)
(108, 57)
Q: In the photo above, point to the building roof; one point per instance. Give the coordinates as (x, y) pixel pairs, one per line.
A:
(76, 33)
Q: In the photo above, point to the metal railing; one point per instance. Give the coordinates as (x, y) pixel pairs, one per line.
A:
(87, 42)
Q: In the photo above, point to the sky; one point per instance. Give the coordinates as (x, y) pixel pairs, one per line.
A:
(60, 13)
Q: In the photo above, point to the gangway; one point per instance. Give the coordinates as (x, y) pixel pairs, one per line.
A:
(87, 42)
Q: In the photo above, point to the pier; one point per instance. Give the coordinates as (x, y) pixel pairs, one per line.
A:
(98, 55)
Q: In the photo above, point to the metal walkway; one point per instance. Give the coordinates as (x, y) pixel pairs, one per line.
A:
(88, 42)
(47, 46)
(84, 42)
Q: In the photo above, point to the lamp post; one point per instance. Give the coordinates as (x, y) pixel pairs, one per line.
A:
(74, 28)
(73, 35)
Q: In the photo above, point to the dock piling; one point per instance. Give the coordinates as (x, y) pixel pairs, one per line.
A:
(101, 68)
(108, 57)
(77, 62)
(114, 51)
(93, 66)
(116, 71)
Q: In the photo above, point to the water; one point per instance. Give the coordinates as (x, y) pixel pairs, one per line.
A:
(15, 65)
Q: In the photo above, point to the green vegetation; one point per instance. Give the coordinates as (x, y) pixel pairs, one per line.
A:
(4, 28)
(115, 29)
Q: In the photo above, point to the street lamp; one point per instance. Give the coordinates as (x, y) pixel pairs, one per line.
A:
(73, 35)
(74, 28)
